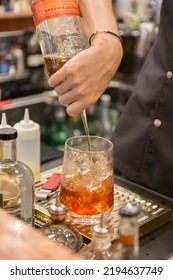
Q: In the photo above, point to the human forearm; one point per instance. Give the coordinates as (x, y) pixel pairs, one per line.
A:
(21, 242)
(82, 80)
(97, 14)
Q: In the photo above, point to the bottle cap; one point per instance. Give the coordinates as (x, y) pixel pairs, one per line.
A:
(101, 228)
(8, 133)
(106, 99)
(129, 210)
(58, 211)
(27, 128)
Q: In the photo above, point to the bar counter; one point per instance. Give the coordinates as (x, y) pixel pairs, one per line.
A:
(157, 244)
(20, 241)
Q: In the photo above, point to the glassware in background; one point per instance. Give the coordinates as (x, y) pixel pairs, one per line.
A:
(8, 5)
(149, 10)
(58, 230)
(4, 61)
(18, 56)
(87, 184)
(59, 132)
(16, 179)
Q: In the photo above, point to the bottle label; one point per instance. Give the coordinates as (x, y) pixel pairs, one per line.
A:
(45, 9)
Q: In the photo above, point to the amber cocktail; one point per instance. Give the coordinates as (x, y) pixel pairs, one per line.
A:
(87, 178)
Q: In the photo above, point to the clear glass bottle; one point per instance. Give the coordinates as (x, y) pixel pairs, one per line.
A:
(60, 31)
(61, 35)
(16, 179)
(127, 245)
(100, 247)
(18, 55)
(59, 230)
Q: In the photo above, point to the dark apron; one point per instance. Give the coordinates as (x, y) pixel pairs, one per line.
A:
(143, 138)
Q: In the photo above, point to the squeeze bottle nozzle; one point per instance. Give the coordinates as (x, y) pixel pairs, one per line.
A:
(4, 121)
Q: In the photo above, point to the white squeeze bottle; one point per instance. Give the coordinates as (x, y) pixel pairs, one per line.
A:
(28, 143)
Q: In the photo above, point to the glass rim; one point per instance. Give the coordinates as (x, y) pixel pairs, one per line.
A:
(110, 148)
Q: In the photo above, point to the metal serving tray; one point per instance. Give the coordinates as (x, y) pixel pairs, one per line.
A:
(152, 214)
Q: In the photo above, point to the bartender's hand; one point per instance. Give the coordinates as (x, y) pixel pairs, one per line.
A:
(84, 78)
(21, 242)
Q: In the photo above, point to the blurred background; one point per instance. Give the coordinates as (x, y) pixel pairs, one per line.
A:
(23, 80)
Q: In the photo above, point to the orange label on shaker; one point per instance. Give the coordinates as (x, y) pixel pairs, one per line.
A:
(46, 9)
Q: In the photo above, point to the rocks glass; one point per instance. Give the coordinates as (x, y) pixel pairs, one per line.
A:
(87, 185)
